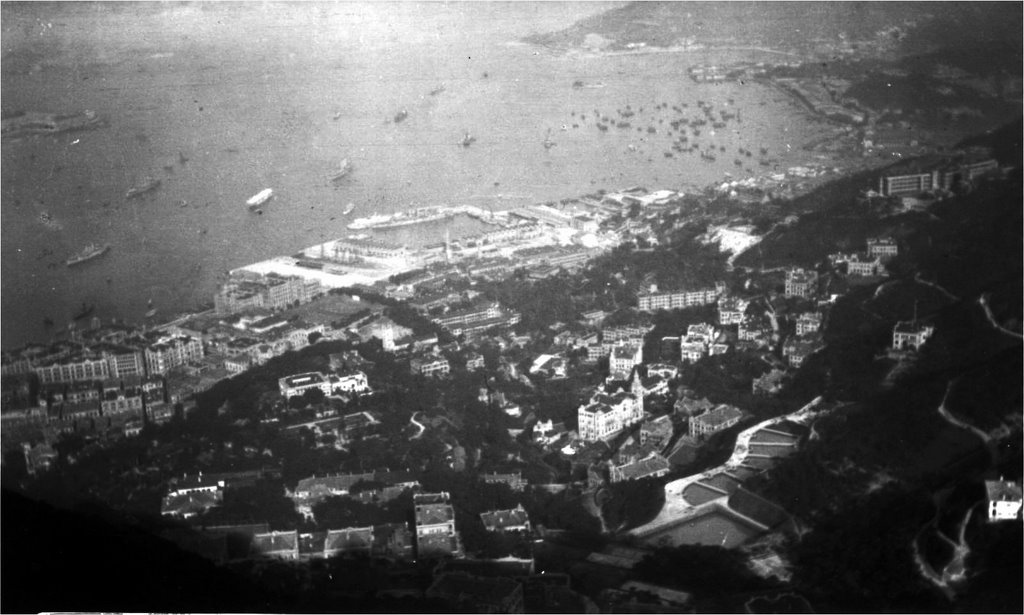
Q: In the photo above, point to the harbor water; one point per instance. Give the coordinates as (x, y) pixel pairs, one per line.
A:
(220, 101)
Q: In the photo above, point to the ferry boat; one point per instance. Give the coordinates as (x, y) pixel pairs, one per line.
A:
(148, 186)
(259, 199)
(90, 252)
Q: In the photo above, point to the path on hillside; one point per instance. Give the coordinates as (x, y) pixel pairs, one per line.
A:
(412, 419)
(983, 302)
(917, 278)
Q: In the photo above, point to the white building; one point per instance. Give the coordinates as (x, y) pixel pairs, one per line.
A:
(298, 384)
(623, 359)
(350, 382)
(910, 334)
(1004, 500)
(606, 414)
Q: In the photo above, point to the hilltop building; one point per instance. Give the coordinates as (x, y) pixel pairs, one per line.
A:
(910, 334)
(1004, 500)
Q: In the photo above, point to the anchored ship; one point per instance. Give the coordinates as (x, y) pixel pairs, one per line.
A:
(259, 199)
(90, 252)
(403, 218)
(148, 186)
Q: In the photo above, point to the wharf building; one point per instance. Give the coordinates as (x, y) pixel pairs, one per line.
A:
(654, 300)
(358, 248)
(248, 290)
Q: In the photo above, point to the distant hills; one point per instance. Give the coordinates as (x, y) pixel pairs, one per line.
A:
(914, 27)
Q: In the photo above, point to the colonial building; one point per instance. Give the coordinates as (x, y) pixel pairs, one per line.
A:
(430, 366)
(859, 265)
(884, 247)
(651, 466)
(731, 310)
(801, 283)
(172, 351)
(292, 386)
(512, 520)
(910, 334)
(606, 414)
(435, 525)
(623, 359)
(653, 301)
(713, 421)
(808, 322)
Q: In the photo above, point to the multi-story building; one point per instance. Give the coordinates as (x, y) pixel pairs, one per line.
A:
(808, 322)
(1004, 500)
(910, 183)
(511, 520)
(122, 397)
(74, 369)
(277, 545)
(910, 334)
(653, 300)
(606, 414)
(291, 386)
(701, 332)
(651, 466)
(350, 382)
(247, 290)
(625, 333)
(801, 283)
(692, 350)
(731, 310)
(430, 366)
(860, 265)
(122, 360)
(435, 525)
(172, 351)
(355, 249)
(349, 540)
(513, 479)
(884, 247)
(712, 421)
(623, 359)
(656, 433)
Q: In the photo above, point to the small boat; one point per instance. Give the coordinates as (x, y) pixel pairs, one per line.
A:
(84, 311)
(259, 199)
(467, 140)
(182, 159)
(401, 115)
(348, 209)
(47, 322)
(437, 90)
(148, 186)
(548, 143)
(89, 252)
(343, 170)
